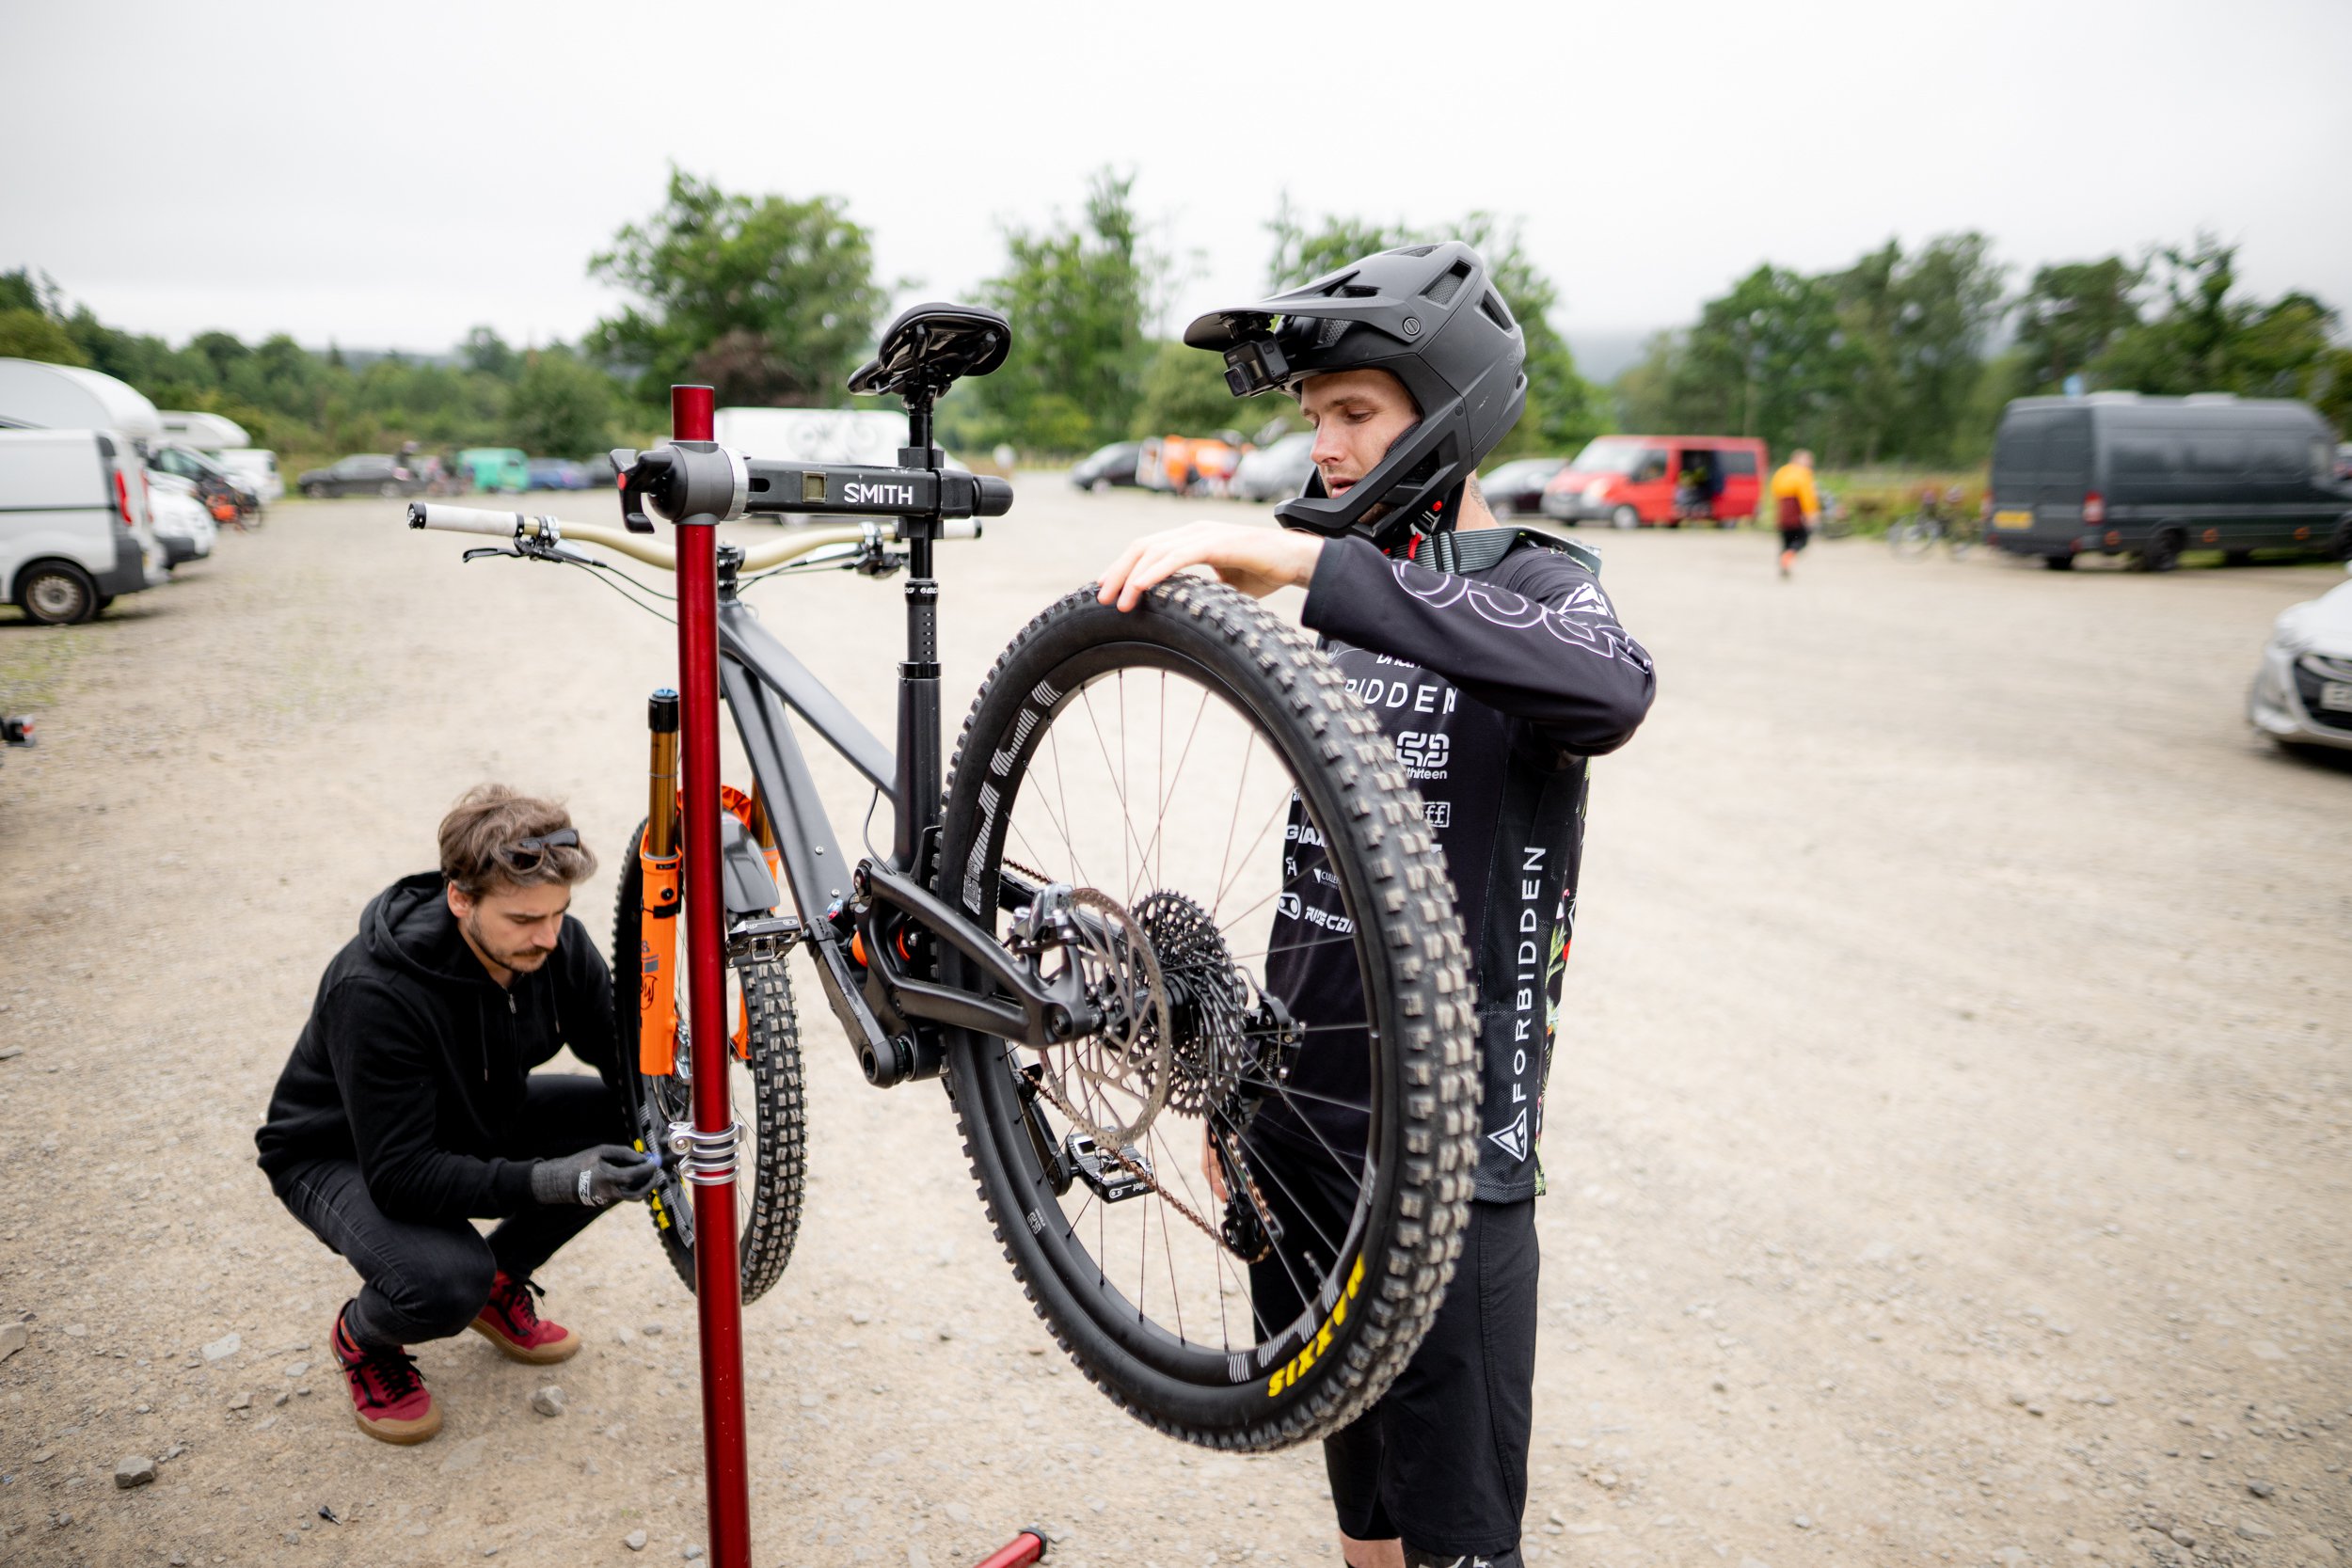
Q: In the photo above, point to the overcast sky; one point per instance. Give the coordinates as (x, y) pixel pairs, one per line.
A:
(392, 176)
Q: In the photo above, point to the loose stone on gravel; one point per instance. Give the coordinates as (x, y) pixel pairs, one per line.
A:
(224, 1347)
(133, 1470)
(548, 1400)
(241, 1402)
(13, 1337)
(634, 1540)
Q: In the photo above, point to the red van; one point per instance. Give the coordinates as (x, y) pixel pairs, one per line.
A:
(1660, 480)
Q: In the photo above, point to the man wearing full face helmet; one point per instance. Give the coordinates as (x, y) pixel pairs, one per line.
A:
(1497, 665)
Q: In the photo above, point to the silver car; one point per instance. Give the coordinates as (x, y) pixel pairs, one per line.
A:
(1277, 472)
(2302, 694)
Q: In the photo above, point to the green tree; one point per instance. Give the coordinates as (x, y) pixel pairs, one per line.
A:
(485, 350)
(2070, 315)
(770, 301)
(1075, 296)
(32, 334)
(1564, 410)
(559, 406)
(2208, 337)
(1770, 358)
(1185, 393)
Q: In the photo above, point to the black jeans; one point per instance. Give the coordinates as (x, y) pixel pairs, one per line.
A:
(426, 1280)
(1440, 1459)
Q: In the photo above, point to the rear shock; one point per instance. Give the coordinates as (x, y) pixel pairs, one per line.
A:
(658, 861)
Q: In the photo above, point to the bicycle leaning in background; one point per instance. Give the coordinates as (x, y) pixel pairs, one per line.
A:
(1939, 519)
(1074, 934)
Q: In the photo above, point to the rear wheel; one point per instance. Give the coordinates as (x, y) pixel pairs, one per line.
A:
(1624, 517)
(57, 594)
(1263, 917)
(763, 1084)
(2058, 563)
(2162, 552)
(1912, 536)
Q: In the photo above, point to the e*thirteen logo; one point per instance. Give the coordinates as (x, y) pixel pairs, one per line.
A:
(859, 493)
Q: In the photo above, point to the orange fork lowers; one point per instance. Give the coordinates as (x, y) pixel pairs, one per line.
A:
(657, 864)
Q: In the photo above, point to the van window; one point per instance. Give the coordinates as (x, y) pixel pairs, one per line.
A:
(2142, 457)
(1651, 467)
(2214, 457)
(1733, 461)
(2017, 456)
(2279, 460)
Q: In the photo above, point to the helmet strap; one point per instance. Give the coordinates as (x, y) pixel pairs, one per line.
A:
(1434, 523)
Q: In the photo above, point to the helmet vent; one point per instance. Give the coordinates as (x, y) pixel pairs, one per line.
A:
(1448, 283)
(1495, 313)
(1417, 250)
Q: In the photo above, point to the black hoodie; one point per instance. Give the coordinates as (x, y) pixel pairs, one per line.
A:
(413, 1060)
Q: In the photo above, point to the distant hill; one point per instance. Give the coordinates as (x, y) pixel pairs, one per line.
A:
(1600, 355)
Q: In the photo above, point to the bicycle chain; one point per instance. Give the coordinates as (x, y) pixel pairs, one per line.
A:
(1256, 1198)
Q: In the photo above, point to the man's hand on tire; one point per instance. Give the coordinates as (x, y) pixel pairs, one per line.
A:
(594, 1177)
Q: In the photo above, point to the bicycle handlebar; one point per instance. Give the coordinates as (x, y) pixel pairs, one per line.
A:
(653, 552)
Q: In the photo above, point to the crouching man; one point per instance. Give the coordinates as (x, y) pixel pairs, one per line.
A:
(409, 1106)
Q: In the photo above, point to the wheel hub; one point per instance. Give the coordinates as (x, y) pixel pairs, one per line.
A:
(1208, 1000)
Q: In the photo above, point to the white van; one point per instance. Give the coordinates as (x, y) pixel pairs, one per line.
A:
(257, 466)
(210, 434)
(73, 530)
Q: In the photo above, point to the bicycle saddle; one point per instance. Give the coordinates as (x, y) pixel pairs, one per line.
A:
(930, 347)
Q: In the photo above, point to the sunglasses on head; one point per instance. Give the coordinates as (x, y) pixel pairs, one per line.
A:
(527, 855)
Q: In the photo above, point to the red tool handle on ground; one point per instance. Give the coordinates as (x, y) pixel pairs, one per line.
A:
(718, 1298)
(1024, 1550)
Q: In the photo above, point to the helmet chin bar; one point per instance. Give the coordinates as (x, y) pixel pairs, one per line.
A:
(1421, 480)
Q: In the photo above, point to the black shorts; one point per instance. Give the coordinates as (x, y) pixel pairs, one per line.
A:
(1795, 538)
(1441, 1459)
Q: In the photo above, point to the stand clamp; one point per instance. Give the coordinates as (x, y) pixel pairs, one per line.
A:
(706, 1159)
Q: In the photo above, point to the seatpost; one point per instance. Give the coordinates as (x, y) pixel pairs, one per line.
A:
(710, 1163)
(918, 677)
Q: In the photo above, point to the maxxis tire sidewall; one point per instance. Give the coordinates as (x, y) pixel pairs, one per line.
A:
(1383, 1308)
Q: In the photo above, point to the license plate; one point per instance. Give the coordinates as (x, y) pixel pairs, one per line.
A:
(2012, 519)
(2336, 695)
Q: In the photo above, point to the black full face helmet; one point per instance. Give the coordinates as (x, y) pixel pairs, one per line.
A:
(1429, 315)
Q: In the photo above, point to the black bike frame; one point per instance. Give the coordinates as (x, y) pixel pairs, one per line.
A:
(885, 991)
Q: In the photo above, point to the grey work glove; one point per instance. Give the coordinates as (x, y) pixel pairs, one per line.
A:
(594, 1176)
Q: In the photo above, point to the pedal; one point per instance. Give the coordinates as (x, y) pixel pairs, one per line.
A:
(762, 941)
(1112, 1182)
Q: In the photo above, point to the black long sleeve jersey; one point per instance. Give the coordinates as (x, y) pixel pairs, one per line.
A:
(1496, 682)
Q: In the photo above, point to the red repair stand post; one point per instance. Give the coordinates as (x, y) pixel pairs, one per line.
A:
(718, 1283)
(718, 1288)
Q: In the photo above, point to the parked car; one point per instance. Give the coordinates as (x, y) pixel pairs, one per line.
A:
(1517, 488)
(371, 473)
(222, 496)
(256, 468)
(2116, 473)
(2302, 691)
(1107, 467)
(557, 473)
(75, 531)
(1275, 472)
(182, 523)
(495, 469)
(1632, 480)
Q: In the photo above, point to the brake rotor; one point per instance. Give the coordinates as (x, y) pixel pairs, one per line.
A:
(1114, 1082)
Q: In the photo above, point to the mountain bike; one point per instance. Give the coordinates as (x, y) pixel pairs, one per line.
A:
(1086, 931)
(1938, 520)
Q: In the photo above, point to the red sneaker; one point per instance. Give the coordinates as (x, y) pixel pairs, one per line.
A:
(388, 1397)
(510, 1322)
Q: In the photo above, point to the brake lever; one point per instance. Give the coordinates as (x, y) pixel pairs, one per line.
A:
(478, 552)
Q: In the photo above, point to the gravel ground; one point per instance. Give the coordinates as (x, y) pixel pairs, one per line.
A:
(1948, 1147)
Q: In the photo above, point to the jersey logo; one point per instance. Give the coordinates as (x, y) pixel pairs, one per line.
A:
(1438, 813)
(1511, 1140)
(1425, 751)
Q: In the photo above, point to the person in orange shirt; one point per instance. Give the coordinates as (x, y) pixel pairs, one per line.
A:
(1798, 504)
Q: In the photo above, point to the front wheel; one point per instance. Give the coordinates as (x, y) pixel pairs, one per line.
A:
(1912, 537)
(1238, 1198)
(763, 1084)
(1624, 517)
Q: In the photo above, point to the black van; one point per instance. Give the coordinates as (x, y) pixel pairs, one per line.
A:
(2119, 473)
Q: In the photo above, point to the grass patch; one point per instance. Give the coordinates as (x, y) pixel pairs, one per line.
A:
(34, 660)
